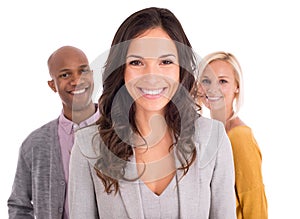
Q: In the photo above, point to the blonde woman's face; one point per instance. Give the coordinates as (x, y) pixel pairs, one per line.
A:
(218, 87)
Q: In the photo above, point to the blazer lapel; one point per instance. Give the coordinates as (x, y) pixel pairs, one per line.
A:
(189, 191)
(130, 194)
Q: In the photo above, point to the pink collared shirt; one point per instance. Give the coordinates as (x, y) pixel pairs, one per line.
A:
(66, 129)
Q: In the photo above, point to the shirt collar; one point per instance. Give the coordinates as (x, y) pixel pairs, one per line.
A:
(69, 126)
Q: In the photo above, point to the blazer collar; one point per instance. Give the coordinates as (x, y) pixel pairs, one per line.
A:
(130, 191)
(130, 194)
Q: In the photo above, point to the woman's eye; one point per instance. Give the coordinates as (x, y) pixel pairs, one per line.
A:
(222, 81)
(167, 62)
(205, 81)
(135, 62)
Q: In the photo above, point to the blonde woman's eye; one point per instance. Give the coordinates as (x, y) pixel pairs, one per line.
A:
(223, 81)
(205, 82)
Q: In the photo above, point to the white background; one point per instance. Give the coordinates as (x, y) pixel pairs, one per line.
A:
(263, 35)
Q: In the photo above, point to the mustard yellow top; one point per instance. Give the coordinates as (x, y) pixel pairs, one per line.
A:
(251, 202)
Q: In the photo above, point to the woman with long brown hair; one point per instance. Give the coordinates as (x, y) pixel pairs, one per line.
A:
(151, 155)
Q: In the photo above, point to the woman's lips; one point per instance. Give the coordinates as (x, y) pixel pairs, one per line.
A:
(152, 93)
(213, 99)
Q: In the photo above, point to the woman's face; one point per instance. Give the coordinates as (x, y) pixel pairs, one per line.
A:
(152, 70)
(218, 86)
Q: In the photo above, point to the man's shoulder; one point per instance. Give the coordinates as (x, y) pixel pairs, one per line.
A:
(41, 135)
(45, 129)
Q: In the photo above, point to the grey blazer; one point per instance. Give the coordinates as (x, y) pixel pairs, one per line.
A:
(207, 191)
(39, 186)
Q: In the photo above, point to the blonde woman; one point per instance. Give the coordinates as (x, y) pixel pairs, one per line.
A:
(220, 87)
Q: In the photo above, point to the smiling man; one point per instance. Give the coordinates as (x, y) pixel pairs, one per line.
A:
(73, 80)
(40, 185)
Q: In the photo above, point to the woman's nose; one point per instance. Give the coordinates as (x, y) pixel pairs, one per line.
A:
(213, 89)
(151, 67)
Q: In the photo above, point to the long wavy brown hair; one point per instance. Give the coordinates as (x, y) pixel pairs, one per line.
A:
(117, 124)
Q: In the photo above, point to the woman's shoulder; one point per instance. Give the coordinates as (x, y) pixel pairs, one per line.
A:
(209, 137)
(240, 131)
(86, 134)
(91, 129)
(242, 140)
(235, 124)
(87, 139)
(205, 128)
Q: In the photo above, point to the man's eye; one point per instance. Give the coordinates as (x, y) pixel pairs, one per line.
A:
(85, 71)
(135, 62)
(64, 75)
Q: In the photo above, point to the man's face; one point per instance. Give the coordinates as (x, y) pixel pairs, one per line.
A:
(72, 79)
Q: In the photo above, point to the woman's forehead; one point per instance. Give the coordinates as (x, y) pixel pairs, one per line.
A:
(152, 47)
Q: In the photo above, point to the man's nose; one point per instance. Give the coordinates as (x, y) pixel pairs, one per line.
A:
(76, 79)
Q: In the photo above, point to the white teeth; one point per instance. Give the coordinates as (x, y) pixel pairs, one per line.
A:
(213, 98)
(152, 92)
(78, 91)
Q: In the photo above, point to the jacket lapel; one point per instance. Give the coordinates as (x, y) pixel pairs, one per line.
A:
(130, 194)
(188, 191)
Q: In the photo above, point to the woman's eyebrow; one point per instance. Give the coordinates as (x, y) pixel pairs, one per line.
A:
(134, 56)
(141, 57)
(167, 55)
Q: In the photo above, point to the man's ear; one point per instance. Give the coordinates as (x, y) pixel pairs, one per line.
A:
(52, 85)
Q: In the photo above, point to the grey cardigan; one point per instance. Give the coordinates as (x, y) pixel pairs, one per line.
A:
(207, 191)
(39, 186)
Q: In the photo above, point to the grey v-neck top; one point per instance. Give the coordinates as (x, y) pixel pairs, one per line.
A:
(164, 205)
